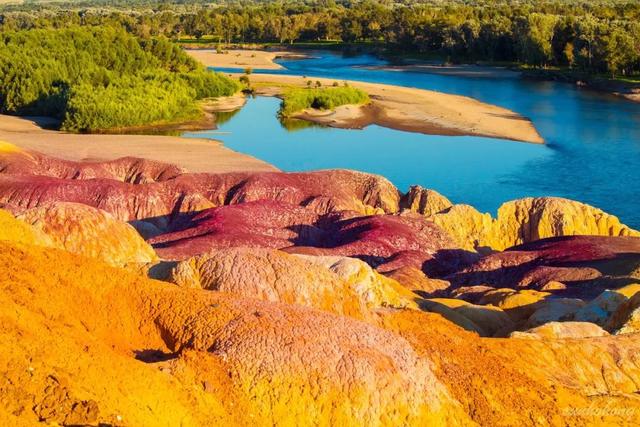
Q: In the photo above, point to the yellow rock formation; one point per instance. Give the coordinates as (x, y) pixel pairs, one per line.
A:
(93, 344)
(488, 319)
(91, 232)
(469, 228)
(14, 230)
(530, 219)
(424, 201)
(562, 330)
(526, 220)
(339, 285)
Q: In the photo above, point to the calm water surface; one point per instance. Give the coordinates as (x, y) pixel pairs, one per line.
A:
(592, 152)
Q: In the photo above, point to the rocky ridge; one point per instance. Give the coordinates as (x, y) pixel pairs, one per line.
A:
(317, 297)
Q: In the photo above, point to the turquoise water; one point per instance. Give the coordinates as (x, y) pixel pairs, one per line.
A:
(592, 152)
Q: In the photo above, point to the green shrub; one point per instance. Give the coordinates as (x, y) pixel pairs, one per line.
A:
(295, 100)
(96, 78)
(130, 101)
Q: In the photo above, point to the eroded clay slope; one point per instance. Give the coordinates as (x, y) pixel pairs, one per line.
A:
(121, 348)
(91, 232)
(126, 350)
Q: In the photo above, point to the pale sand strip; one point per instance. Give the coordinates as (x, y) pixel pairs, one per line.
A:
(237, 58)
(414, 110)
(195, 155)
(463, 70)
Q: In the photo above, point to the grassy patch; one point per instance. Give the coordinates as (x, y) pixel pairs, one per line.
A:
(297, 99)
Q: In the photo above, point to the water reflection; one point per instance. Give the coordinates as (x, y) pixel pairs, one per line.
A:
(592, 155)
(466, 169)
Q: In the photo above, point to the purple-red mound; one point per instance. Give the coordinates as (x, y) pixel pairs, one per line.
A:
(135, 189)
(586, 264)
(266, 224)
(384, 241)
(126, 169)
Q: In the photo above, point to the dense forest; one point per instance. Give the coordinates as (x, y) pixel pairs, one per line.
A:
(593, 36)
(97, 78)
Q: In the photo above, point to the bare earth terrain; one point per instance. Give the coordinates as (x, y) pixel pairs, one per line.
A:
(241, 58)
(195, 155)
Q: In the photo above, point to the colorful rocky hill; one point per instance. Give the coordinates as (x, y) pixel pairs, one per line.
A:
(135, 293)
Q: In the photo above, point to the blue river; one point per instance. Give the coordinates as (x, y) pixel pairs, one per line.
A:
(592, 152)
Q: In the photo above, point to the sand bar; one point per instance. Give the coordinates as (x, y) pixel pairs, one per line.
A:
(195, 155)
(396, 107)
(463, 70)
(411, 109)
(237, 58)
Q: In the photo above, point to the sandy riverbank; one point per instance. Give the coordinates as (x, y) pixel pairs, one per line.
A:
(195, 155)
(463, 70)
(396, 107)
(237, 58)
(413, 110)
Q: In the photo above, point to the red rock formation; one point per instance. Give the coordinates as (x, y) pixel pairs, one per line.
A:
(264, 224)
(584, 264)
(126, 169)
(322, 191)
(30, 179)
(387, 242)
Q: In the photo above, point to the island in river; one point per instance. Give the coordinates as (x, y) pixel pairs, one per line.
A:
(401, 108)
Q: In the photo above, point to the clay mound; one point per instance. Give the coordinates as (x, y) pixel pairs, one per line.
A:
(159, 203)
(14, 230)
(387, 242)
(162, 194)
(87, 231)
(626, 318)
(415, 280)
(424, 201)
(390, 242)
(371, 289)
(519, 221)
(163, 191)
(145, 353)
(530, 219)
(264, 224)
(157, 206)
(127, 169)
(339, 285)
(562, 330)
(323, 191)
(470, 229)
(551, 381)
(584, 264)
(202, 357)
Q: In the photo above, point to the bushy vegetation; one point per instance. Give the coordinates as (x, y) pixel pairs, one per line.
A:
(592, 36)
(97, 78)
(298, 99)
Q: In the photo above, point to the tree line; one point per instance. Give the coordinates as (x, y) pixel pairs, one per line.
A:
(594, 36)
(98, 78)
